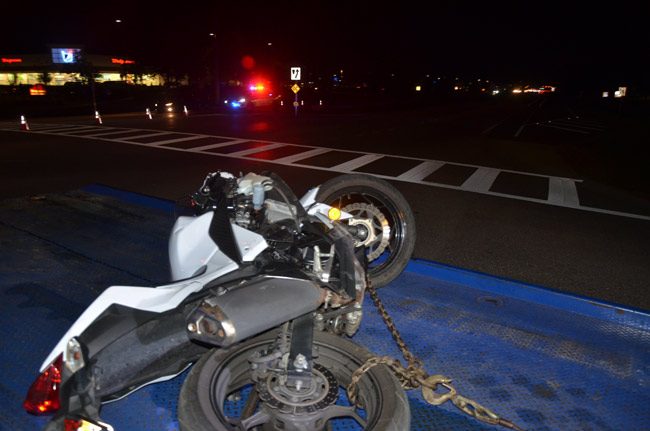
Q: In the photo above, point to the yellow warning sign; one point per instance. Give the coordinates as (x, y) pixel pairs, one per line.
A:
(295, 88)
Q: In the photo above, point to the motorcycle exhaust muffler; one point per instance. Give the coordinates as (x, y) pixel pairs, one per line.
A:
(232, 315)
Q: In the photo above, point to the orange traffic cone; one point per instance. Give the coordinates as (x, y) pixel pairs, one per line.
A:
(98, 118)
(23, 123)
(185, 111)
(148, 113)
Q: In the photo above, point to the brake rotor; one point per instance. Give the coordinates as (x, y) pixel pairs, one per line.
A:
(376, 223)
(322, 393)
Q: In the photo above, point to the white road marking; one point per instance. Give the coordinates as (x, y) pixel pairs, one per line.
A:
(173, 141)
(562, 190)
(58, 128)
(249, 151)
(519, 130)
(301, 156)
(574, 124)
(79, 129)
(353, 164)
(565, 128)
(108, 133)
(217, 145)
(421, 171)
(481, 180)
(148, 135)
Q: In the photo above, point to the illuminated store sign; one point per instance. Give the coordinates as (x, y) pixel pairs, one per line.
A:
(65, 55)
(121, 61)
(12, 60)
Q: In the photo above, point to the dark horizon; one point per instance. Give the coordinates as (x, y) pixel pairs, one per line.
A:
(533, 42)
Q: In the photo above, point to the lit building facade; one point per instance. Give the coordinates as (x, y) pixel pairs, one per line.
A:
(62, 65)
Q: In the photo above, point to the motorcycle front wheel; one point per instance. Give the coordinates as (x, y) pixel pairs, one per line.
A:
(392, 221)
(217, 387)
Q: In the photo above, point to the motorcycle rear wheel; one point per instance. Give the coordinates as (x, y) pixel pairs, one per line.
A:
(223, 373)
(374, 197)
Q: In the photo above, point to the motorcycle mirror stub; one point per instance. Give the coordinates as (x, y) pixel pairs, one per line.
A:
(43, 395)
(74, 358)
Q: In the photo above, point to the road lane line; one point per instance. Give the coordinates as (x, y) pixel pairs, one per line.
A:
(567, 129)
(92, 131)
(356, 163)
(574, 124)
(301, 156)
(78, 129)
(217, 145)
(563, 192)
(171, 141)
(588, 121)
(250, 151)
(481, 180)
(421, 171)
(54, 129)
(112, 132)
(128, 138)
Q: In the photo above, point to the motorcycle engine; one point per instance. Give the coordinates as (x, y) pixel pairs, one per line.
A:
(265, 205)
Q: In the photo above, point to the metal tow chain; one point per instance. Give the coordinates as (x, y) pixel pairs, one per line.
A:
(414, 375)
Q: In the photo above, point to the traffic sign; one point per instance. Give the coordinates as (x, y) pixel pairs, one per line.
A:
(295, 88)
(295, 74)
(296, 104)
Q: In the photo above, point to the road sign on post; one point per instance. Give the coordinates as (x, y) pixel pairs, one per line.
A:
(295, 74)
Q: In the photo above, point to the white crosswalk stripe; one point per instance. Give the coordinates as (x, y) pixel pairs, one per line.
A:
(572, 124)
(562, 192)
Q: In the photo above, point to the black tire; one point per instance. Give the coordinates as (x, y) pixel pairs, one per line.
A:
(352, 188)
(201, 400)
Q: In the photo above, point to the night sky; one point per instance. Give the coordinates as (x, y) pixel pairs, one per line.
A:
(527, 40)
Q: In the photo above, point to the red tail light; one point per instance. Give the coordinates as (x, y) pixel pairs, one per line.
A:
(71, 425)
(43, 395)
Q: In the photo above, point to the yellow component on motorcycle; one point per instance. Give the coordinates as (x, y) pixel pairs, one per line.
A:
(334, 213)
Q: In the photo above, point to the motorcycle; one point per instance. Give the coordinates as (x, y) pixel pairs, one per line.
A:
(267, 290)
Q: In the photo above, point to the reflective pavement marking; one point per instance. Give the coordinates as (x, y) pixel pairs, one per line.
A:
(80, 129)
(171, 141)
(59, 128)
(572, 124)
(421, 171)
(353, 164)
(481, 180)
(578, 125)
(562, 192)
(103, 133)
(147, 135)
(301, 156)
(217, 145)
(249, 151)
(566, 128)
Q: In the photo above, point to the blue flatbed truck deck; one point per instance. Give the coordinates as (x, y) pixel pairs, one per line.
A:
(543, 359)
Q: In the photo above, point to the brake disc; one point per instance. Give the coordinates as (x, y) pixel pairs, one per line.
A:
(376, 223)
(321, 394)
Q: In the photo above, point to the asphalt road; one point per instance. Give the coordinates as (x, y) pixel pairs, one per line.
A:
(541, 190)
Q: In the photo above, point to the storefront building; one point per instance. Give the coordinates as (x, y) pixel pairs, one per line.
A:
(65, 65)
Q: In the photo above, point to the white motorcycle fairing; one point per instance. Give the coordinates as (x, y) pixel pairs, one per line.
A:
(191, 249)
